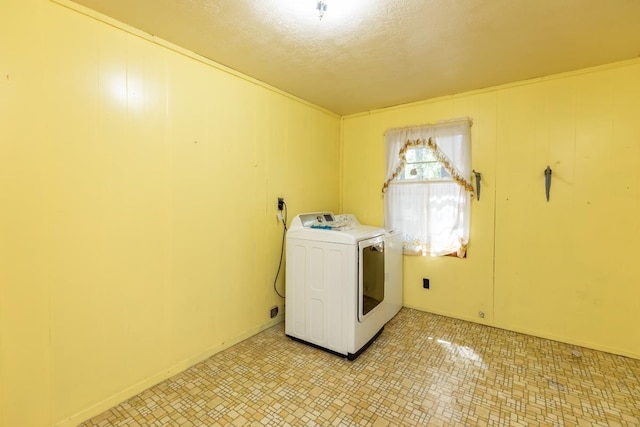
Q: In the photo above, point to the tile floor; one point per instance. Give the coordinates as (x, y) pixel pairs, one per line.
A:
(423, 370)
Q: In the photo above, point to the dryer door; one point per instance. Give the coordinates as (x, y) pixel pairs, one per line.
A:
(370, 275)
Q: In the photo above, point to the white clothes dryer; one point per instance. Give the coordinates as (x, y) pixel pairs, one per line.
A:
(343, 282)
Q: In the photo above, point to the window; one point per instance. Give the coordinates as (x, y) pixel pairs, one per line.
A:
(427, 191)
(422, 165)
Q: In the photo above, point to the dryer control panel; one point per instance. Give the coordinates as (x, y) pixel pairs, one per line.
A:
(328, 221)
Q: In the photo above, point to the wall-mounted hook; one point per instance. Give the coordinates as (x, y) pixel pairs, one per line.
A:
(478, 179)
(547, 180)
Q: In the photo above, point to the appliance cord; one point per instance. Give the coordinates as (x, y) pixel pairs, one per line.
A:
(284, 232)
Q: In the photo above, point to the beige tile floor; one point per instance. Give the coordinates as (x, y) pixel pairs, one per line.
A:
(423, 370)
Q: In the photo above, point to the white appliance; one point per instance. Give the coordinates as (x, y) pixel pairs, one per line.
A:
(343, 282)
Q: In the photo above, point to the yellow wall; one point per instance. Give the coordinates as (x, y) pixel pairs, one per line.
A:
(138, 190)
(563, 270)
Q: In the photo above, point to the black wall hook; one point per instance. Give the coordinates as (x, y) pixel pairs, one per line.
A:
(547, 180)
(478, 179)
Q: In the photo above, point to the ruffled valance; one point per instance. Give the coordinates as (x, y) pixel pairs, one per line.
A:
(438, 154)
(427, 136)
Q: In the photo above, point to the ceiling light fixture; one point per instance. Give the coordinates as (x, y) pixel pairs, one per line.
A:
(321, 7)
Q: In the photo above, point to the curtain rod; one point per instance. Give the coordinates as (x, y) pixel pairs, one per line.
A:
(440, 123)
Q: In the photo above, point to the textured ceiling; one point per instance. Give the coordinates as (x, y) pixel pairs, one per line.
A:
(368, 54)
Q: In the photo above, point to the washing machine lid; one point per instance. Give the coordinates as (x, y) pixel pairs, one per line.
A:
(330, 228)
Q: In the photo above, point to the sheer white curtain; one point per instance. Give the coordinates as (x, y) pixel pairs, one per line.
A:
(432, 215)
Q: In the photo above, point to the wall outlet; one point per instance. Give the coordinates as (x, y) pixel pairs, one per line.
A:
(280, 203)
(425, 283)
(274, 311)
